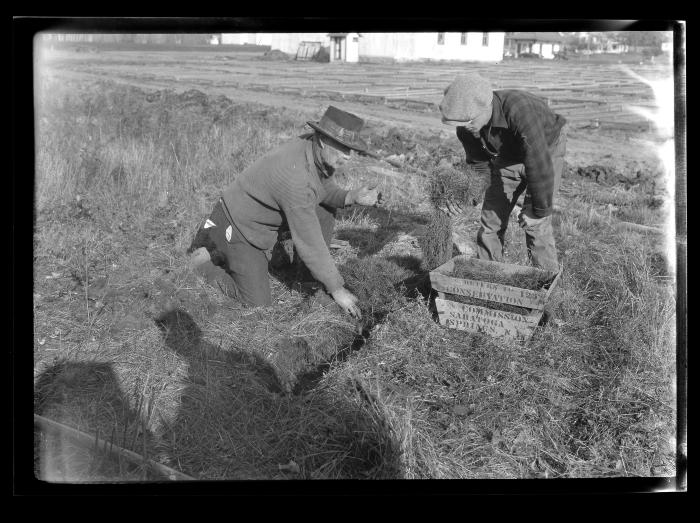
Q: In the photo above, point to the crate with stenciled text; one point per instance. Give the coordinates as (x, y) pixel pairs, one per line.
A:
(497, 309)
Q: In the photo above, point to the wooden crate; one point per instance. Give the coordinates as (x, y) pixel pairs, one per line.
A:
(494, 322)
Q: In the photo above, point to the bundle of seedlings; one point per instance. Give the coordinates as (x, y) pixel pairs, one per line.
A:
(377, 284)
(436, 242)
(534, 280)
(448, 185)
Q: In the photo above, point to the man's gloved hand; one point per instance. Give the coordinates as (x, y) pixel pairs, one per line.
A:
(527, 219)
(451, 208)
(347, 301)
(365, 196)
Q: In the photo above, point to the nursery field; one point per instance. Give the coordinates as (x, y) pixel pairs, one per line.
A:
(136, 351)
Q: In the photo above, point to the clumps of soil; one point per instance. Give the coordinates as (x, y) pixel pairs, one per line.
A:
(645, 179)
(532, 281)
(275, 55)
(393, 143)
(599, 173)
(377, 284)
(447, 184)
(436, 242)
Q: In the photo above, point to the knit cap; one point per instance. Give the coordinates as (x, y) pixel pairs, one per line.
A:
(466, 97)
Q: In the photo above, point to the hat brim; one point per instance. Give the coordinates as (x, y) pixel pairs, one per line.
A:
(359, 145)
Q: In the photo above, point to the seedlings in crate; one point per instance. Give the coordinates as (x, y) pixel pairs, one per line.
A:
(534, 280)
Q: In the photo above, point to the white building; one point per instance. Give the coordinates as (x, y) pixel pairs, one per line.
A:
(345, 47)
(546, 45)
(353, 47)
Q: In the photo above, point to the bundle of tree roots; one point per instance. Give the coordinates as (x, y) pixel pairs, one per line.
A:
(448, 185)
(436, 242)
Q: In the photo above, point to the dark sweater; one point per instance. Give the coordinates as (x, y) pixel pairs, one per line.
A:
(285, 184)
(521, 130)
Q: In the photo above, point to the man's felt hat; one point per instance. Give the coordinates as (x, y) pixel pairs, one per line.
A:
(342, 127)
(465, 98)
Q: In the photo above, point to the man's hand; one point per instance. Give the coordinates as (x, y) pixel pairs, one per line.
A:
(451, 208)
(366, 196)
(347, 301)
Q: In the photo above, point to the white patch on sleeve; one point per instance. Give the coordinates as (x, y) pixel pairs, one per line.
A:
(229, 231)
(209, 223)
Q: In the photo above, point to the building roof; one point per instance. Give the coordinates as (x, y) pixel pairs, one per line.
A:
(537, 36)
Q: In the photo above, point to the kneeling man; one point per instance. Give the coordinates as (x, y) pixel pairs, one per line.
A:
(290, 187)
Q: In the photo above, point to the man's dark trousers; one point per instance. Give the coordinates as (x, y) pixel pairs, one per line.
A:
(239, 269)
(508, 181)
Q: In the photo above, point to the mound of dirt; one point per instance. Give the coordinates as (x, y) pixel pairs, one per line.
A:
(191, 99)
(394, 142)
(276, 55)
(598, 173)
(646, 178)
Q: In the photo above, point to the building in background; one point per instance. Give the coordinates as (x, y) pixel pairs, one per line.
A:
(476, 47)
(545, 45)
(353, 47)
(341, 47)
(345, 47)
